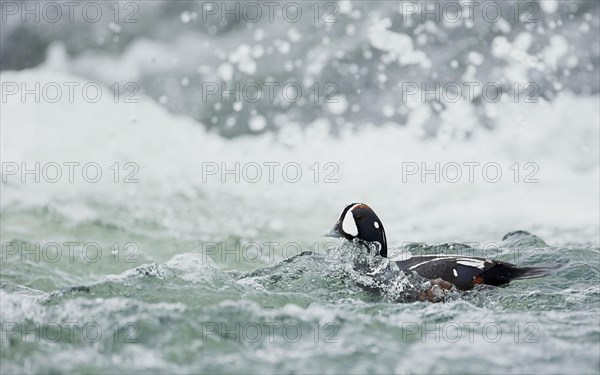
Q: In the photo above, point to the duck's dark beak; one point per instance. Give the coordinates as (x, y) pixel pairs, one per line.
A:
(335, 232)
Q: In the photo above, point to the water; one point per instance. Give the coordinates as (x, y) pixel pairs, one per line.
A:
(168, 264)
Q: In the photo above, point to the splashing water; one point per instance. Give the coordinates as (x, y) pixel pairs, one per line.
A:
(160, 266)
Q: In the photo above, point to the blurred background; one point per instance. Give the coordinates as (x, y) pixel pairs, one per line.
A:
(362, 97)
(366, 49)
(425, 82)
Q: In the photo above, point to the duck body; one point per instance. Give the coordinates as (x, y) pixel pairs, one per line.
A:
(359, 221)
(466, 272)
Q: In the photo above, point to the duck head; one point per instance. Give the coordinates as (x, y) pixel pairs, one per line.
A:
(359, 221)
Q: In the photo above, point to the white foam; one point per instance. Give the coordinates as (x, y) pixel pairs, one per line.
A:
(561, 137)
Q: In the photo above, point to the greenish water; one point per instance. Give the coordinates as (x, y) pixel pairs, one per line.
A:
(330, 310)
(179, 272)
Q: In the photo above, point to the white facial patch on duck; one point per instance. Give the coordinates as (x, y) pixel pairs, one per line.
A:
(349, 225)
(454, 272)
(472, 263)
(376, 224)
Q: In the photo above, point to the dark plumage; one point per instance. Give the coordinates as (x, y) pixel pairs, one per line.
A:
(359, 221)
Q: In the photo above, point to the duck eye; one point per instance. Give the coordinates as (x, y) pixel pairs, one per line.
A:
(359, 217)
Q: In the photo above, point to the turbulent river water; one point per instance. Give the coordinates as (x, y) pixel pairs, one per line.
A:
(169, 234)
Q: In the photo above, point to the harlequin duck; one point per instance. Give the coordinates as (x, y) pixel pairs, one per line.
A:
(359, 221)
